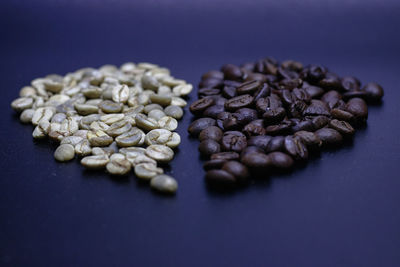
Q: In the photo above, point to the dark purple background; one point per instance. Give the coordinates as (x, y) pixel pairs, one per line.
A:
(340, 210)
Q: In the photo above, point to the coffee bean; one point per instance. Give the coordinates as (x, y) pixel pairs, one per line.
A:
(273, 116)
(211, 132)
(64, 152)
(220, 178)
(231, 72)
(233, 141)
(95, 162)
(146, 171)
(164, 184)
(200, 105)
(238, 102)
(358, 108)
(248, 87)
(174, 112)
(260, 141)
(254, 128)
(320, 121)
(256, 160)
(342, 115)
(295, 148)
(200, 124)
(374, 91)
(213, 164)
(280, 160)
(213, 74)
(329, 137)
(238, 170)
(310, 139)
(108, 106)
(213, 111)
(160, 153)
(225, 156)
(275, 144)
(118, 165)
(250, 149)
(342, 127)
(208, 147)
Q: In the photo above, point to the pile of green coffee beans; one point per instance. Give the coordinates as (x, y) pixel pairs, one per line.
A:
(116, 119)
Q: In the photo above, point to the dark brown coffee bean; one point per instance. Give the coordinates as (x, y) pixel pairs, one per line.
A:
(213, 111)
(198, 106)
(350, 83)
(358, 108)
(225, 156)
(317, 108)
(313, 91)
(204, 92)
(254, 128)
(275, 144)
(281, 160)
(331, 81)
(208, 147)
(314, 73)
(292, 65)
(212, 74)
(211, 83)
(256, 160)
(220, 178)
(352, 94)
(290, 83)
(287, 74)
(233, 122)
(274, 116)
(295, 148)
(211, 132)
(310, 139)
(232, 72)
(250, 149)
(262, 91)
(298, 108)
(248, 87)
(200, 124)
(270, 102)
(249, 66)
(237, 169)
(214, 164)
(342, 115)
(329, 137)
(242, 101)
(306, 125)
(331, 98)
(342, 127)
(233, 141)
(260, 141)
(374, 91)
(229, 91)
(319, 122)
(284, 128)
(256, 76)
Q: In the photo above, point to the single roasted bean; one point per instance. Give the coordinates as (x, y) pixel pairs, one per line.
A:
(342, 127)
(164, 184)
(275, 144)
(280, 160)
(214, 164)
(211, 132)
(208, 147)
(95, 162)
(295, 148)
(342, 115)
(146, 171)
(220, 178)
(200, 124)
(160, 153)
(200, 105)
(310, 139)
(248, 87)
(225, 156)
(27, 115)
(320, 121)
(256, 160)
(329, 137)
(237, 102)
(358, 108)
(65, 152)
(374, 91)
(260, 141)
(233, 141)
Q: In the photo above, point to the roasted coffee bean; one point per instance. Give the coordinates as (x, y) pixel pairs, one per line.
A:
(276, 143)
(232, 122)
(283, 128)
(256, 160)
(211, 132)
(220, 178)
(313, 91)
(247, 115)
(317, 108)
(204, 92)
(358, 108)
(330, 82)
(264, 104)
(213, 111)
(229, 91)
(280, 160)
(200, 124)
(213, 74)
(352, 94)
(273, 116)
(374, 91)
(248, 87)
(214, 164)
(254, 128)
(342, 115)
(211, 83)
(310, 139)
(331, 98)
(233, 141)
(250, 149)
(342, 127)
(237, 169)
(238, 102)
(260, 141)
(232, 72)
(295, 148)
(329, 137)
(320, 121)
(306, 125)
(350, 83)
(200, 105)
(208, 147)
(225, 156)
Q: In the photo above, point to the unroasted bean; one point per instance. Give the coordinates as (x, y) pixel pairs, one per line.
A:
(174, 112)
(178, 101)
(99, 125)
(64, 152)
(99, 138)
(27, 115)
(118, 165)
(182, 89)
(168, 123)
(72, 140)
(58, 118)
(162, 137)
(41, 130)
(156, 114)
(84, 109)
(160, 153)
(108, 106)
(95, 162)
(83, 148)
(120, 94)
(22, 103)
(27, 91)
(118, 128)
(164, 184)
(112, 118)
(42, 114)
(135, 137)
(146, 171)
(145, 123)
(163, 100)
(151, 107)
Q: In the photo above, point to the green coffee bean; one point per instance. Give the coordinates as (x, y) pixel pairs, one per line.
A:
(22, 103)
(135, 137)
(27, 91)
(95, 162)
(143, 159)
(86, 121)
(41, 130)
(99, 125)
(111, 118)
(64, 152)
(108, 106)
(58, 118)
(27, 115)
(146, 171)
(42, 114)
(182, 89)
(174, 112)
(81, 133)
(160, 153)
(118, 165)
(118, 128)
(120, 94)
(156, 114)
(177, 101)
(160, 99)
(151, 107)
(168, 123)
(83, 148)
(72, 140)
(164, 183)
(92, 92)
(84, 109)
(162, 137)
(99, 138)
(149, 82)
(145, 123)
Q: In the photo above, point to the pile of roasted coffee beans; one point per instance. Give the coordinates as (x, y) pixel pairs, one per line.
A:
(116, 119)
(266, 116)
